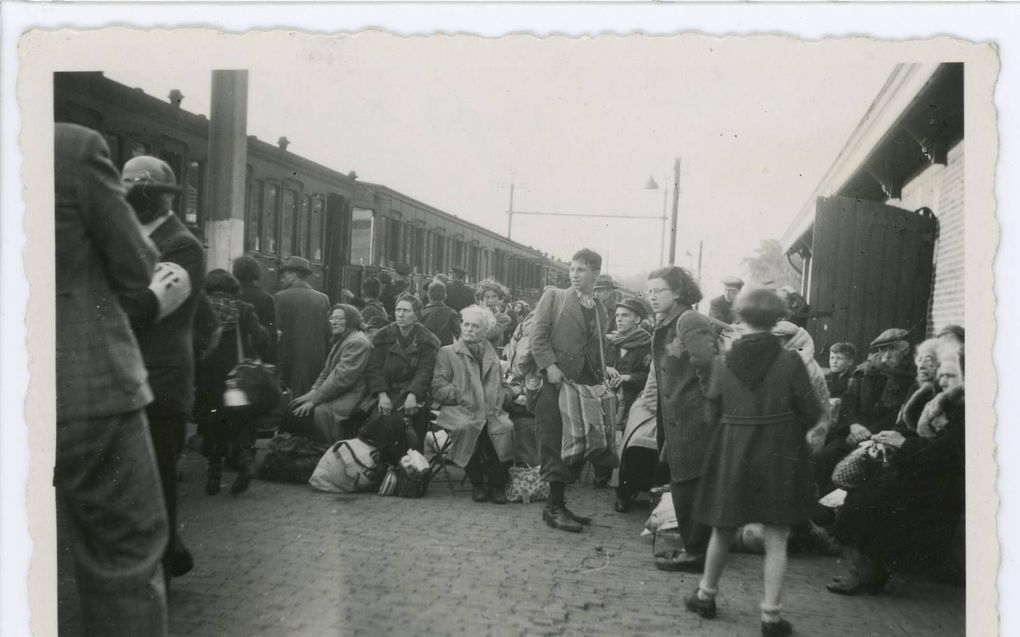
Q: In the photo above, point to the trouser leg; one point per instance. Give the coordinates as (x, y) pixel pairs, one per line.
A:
(110, 499)
(695, 535)
(167, 433)
(550, 429)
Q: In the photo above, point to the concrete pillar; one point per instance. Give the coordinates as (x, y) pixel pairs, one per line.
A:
(228, 157)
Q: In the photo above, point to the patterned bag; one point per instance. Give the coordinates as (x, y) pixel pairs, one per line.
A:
(526, 485)
(858, 467)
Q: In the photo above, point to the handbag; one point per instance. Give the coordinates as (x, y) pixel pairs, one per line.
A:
(526, 485)
(348, 466)
(251, 384)
(860, 465)
(611, 403)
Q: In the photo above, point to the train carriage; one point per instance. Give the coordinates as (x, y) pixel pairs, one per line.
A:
(295, 206)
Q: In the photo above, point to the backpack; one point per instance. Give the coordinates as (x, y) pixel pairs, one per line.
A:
(518, 349)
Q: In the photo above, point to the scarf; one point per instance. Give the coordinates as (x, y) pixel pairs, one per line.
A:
(587, 301)
(751, 357)
(631, 340)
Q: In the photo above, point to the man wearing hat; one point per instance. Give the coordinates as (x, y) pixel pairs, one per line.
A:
(302, 318)
(164, 333)
(398, 286)
(459, 294)
(605, 291)
(721, 307)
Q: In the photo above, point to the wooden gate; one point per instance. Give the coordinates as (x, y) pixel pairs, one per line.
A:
(871, 269)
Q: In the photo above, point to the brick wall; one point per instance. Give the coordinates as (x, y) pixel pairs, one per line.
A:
(941, 189)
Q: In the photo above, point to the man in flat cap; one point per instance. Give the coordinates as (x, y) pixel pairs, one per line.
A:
(165, 334)
(721, 307)
(459, 294)
(605, 291)
(302, 318)
(398, 286)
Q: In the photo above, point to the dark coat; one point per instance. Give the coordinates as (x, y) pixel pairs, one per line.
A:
(459, 295)
(721, 309)
(635, 362)
(211, 372)
(758, 465)
(206, 329)
(683, 347)
(390, 294)
(874, 396)
(166, 344)
(906, 515)
(441, 320)
(100, 252)
(302, 317)
(399, 371)
(838, 383)
(374, 315)
(559, 334)
(265, 309)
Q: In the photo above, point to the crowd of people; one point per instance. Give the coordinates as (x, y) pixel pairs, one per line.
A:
(730, 409)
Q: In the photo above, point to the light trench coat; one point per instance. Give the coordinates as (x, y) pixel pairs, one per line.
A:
(470, 399)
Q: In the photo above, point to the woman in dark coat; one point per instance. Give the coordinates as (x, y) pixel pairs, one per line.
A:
(249, 274)
(223, 433)
(399, 375)
(758, 464)
(683, 346)
(904, 517)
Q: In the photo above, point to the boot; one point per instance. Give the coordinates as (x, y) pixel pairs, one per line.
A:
(245, 472)
(478, 493)
(557, 518)
(497, 495)
(214, 473)
(580, 519)
(704, 607)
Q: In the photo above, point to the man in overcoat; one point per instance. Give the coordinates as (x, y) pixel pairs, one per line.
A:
(302, 318)
(107, 486)
(459, 294)
(565, 344)
(165, 337)
(721, 307)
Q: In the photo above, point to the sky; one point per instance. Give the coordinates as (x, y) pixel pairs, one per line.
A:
(577, 126)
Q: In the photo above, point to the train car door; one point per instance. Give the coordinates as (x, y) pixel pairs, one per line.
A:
(338, 249)
(870, 269)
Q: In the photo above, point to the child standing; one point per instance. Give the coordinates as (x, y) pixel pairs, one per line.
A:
(758, 463)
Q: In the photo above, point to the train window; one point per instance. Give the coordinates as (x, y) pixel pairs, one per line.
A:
(302, 227)
(362, 237)
(254, 242)
(288, 215)
(269, 216)
(315, 231)
(192, 192)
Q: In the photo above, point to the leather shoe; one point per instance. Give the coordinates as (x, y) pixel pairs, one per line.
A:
(580, 519)
(558, 519)
(781, 628)
(479, 493)
(704, 607)
(680, 561)
(623, 505)
(178, 560)
(497, 495)
(854, 585)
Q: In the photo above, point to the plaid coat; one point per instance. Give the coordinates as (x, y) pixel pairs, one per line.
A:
(100, 252)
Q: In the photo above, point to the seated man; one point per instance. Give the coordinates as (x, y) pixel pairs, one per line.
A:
(468, 385)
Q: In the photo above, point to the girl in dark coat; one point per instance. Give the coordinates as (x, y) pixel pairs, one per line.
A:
(904, 517)
(222, 433)
(399, 375)
(758, 463)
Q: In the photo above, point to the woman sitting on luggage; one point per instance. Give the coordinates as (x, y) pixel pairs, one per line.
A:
(399, 373)
(468, 385)
(226, 432)
(341, 384)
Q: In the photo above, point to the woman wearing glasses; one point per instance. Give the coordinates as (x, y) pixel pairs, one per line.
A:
(683, 346)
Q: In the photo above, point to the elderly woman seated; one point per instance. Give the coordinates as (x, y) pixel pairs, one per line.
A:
(341, 383)
(468, 385)
(903, 518)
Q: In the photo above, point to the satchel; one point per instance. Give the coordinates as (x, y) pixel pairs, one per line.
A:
(860, 465)
(348, 466)
(526, 485)
(251, 385)
(289, 459)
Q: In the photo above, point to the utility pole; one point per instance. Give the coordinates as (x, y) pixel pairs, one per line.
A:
(701, 250)
(228, 152)
(676, 207)
(662, 234)
(510, 213)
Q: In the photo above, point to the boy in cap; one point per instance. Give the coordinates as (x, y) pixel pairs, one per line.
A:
(721, 307)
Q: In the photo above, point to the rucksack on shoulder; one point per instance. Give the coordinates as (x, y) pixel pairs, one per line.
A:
(519, 348)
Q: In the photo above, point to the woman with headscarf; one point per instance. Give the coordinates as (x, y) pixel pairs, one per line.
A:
(341, 383)
(468, 384)
(399, 375)
(223, 433)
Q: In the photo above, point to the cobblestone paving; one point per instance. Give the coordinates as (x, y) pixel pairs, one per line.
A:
(287, 560)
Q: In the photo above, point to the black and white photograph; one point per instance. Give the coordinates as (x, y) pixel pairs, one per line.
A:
(368, 334)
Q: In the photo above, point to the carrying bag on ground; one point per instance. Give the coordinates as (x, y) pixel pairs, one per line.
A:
(348, 466)
(526, 485)
(289, 459)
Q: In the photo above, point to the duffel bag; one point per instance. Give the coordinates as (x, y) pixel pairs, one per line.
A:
(348, 466)
(289, 459)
